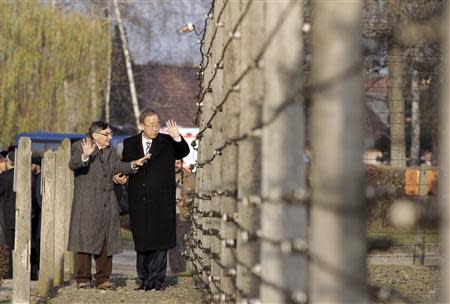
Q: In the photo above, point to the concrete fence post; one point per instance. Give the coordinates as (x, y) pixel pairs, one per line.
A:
(284, 272)
(60, 216)
(69, 256)
(46, 268)
(338, 227)
(22, 246)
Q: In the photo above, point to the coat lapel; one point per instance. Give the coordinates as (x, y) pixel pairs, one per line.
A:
(139, 147)
(157, 144)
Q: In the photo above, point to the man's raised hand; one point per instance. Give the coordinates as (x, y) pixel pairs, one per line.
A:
(88, 147)
(172, 129)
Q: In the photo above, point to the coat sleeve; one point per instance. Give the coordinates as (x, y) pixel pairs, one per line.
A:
(181, 148)
(123, 167)
(75, 161)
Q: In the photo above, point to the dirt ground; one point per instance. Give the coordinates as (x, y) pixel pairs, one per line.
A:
(416, 284)
(419, 284)
(178, 289)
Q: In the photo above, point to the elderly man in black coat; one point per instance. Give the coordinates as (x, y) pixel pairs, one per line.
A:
(151, 195)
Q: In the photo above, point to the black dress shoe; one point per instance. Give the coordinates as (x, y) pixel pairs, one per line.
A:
(141, 287)
(157, 285)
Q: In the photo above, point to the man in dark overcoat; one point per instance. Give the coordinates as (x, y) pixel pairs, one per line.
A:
(94, 223)
(151, 196)
(8, 209)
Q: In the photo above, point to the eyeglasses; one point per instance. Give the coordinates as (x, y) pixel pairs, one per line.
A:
(153, 126)
(106, 134)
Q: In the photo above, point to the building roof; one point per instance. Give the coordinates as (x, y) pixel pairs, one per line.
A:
(169, 90)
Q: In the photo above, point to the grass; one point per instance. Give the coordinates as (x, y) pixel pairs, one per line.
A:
(404, 237)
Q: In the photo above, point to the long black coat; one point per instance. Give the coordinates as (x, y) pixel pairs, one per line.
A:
(151, 192)
(7, 205)
(8, 209)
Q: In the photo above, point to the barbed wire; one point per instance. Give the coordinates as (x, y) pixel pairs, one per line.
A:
(205, 217)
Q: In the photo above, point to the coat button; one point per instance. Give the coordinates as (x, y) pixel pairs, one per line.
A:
(143, 185)
(143, 198)
(106, 175)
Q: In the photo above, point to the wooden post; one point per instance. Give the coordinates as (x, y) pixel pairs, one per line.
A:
(69, 256)
(444, 161)
(60, 225)
(249, 150)
(419, 246)
(338, 226)
(284, 272)
(47, 224)
(22, 245)
(217, 139)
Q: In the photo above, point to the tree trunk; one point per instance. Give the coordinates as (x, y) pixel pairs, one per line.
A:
(126, 52)
(93, 79)
(108, 83)
(396, 65)
(415, 120)
(338, 238)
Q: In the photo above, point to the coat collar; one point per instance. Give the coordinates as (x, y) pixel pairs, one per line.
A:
(155, 149)
(106, 153)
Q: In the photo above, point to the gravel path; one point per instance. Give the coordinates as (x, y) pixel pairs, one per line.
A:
(177, 289)
(417, 283)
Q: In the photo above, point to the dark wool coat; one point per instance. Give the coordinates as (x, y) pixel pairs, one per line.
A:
(151, 192)
(95, 211)
(7, 205)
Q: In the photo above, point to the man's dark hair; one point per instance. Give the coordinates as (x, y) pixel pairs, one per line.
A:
(11, 157)
(97, 126)
(147, 112)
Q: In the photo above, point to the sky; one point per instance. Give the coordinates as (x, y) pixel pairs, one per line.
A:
(156, 37)
(151, 27)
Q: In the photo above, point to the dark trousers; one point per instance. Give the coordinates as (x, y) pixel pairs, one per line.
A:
(177, 262)
(151, 267)
(103, 267)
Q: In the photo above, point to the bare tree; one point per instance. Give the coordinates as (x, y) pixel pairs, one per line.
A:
(126, 51)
